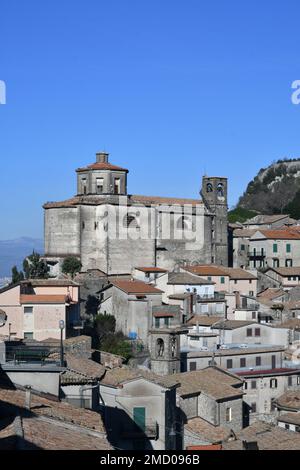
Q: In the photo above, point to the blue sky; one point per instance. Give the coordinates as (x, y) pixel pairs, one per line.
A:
(171, 88)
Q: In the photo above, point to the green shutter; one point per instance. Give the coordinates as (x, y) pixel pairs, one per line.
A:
(139, 417)
(288, 248)
(222, 280)
(275, 247)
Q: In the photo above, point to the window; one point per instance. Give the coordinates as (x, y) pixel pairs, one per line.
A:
(243, 362)
(209, 188)
(99, 184)
(117, 185)
(167, 321)
(220, 190)
(245, 386)
(251, 293)
(290, 380)
(275, 248)
(242, 247)
(258, 361)
(228, 415)
(130, 221)
(253, 384)
(273, 383)
(235, 281)
(287, 427)
(288, 247)
(229, 364)
(28, 310)
(253, 407)
(83, 185)
(288, 263)
(253, 315)
(193, 366)
(182, 223)
(298, 380)
(222, 280)
(209, 278)
(257, 331)
(157, 322)
(275, 263)
(249, 332)
(28, 335)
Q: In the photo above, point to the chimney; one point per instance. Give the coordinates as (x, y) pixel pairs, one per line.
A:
(28, 397)
(102, 157)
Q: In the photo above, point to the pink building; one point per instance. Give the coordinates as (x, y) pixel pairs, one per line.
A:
(35, 307)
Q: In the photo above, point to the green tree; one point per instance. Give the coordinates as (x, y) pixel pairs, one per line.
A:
(105, 325)
(117, 344)
(35, 268)
(16, 275)
(71, 266)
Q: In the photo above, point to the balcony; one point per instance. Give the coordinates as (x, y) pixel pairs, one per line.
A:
(134, 431)
(256, 255)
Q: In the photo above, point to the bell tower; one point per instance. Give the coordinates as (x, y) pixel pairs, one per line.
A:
(214, 195)
(165, 350)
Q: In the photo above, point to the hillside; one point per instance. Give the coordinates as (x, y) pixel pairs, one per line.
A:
(12, 252)
(274, 190)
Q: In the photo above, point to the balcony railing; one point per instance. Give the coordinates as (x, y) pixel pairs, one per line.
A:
(256, 254)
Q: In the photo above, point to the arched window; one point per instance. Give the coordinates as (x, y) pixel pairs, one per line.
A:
(160, 347)
(273, 383)
(220, 190)
(130, 221)
(173, 347)
(182, 223)
(209, 188)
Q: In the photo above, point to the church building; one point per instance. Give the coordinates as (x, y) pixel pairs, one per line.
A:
(114, 232)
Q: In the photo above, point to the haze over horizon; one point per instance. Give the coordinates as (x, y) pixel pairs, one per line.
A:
(172, 90)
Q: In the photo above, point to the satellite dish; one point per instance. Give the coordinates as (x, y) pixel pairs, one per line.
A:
(3, 318)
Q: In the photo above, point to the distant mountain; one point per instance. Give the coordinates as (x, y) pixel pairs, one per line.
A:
(12, 252)
(274, 190)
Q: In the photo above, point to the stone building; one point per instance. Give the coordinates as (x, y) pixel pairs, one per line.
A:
(112, 231)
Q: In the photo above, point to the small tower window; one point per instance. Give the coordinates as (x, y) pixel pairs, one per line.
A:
(209, 188)
(117, 185)
(160, 347)
(83, 185)
(130, 221)
(99, 184)
(220, 190)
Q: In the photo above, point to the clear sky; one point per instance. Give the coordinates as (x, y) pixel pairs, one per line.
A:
(171, 88)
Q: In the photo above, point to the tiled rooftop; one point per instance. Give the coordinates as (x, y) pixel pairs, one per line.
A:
(289, 400)
(267, 436)
(206, 431)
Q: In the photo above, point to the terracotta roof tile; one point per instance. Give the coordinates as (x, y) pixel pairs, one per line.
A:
(43, 299)
(153, 269)
(208, 432)
(135, 287)
(102, 166)
(289, 400)
(279, 234)
(267, 436)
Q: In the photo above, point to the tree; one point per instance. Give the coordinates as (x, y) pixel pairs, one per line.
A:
(35, 268)
(117, 344)
(16, 275)
(105, 325)
(71, 266)
(109, 340)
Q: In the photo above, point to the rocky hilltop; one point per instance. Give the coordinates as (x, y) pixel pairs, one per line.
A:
(274, 190)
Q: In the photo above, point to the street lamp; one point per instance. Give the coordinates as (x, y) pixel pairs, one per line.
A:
(61, 327)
